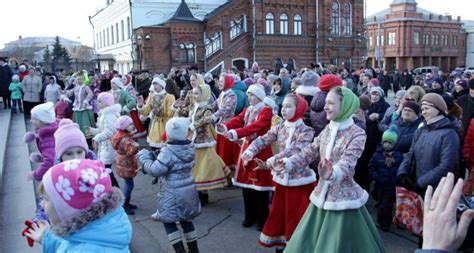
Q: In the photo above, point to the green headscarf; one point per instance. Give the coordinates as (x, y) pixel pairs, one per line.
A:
(349, 104)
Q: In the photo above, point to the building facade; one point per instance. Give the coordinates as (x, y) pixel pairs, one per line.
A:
(114, 43)
(469, 28)
(405, 36)
(270, 32)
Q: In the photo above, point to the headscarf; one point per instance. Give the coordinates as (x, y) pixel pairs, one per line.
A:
(205, 92)
(301, 107)
(228, 82)
(349, 104)
(200, 79)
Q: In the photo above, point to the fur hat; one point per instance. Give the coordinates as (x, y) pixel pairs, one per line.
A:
(106, 98)
(390, 134)
(44, 112)
(310, 78)
(158, 80)
(327, 82)
(436, 101)
(68, 136)
(123, 122)
(75, 185)
(177, 128)
(257, 90)
(117, 82)
(412, 105)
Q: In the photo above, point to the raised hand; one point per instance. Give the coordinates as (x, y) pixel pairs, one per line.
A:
(37, 231)
(325, 169)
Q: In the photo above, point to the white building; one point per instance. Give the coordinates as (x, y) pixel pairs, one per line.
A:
(113, 27)
(469, 27)
(39, 42)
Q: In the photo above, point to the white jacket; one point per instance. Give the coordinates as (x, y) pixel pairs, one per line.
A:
(104, 132)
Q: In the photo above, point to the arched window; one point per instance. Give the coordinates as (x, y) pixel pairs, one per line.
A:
(283, 24)
(269, 24)
(347, 19)
(335, 18)
(297, 25)
(187, 53)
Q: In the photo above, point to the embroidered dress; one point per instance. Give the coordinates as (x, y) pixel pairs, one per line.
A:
(160, 104)
(83, 114)
(293, 188)
(208, 170)
(336, 220)
(225, 107)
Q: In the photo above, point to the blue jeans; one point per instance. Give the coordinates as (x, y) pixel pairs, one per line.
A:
(129, 185)
(15, 103)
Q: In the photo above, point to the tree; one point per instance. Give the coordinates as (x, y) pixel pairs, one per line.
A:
(60, 54)
(46, 57)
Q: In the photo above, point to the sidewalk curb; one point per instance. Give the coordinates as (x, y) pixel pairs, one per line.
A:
(5, 117)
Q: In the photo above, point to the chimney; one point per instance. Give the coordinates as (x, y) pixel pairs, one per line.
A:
(19, 37)
(450, 18)
(440, 17)
(431, 16)
(459, 18)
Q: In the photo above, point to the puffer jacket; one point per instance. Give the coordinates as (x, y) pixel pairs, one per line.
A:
(126, 148)
(318, 115)
(105, 131)
(405, 132)
(101, 228)
(45, 144)
(435, 149)
(384, 172)
(178, 198)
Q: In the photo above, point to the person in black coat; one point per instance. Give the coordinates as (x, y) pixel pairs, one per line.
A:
(5, 80)
(406, 80)
(467, 104)
(385, 82)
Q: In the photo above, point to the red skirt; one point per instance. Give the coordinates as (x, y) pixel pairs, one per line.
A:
(288, 206)
(226, 150)
(137, 122)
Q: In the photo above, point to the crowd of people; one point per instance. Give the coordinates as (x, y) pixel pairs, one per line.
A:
(307, 148)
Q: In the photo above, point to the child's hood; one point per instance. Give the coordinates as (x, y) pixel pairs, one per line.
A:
(183, 150)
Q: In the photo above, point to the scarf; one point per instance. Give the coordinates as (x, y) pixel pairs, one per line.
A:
(301, 107)
(349, 105)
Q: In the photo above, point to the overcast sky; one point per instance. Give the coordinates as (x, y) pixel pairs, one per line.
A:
(70, 18)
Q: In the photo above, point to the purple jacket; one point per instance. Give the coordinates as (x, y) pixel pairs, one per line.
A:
(45, 144)
(318, 115)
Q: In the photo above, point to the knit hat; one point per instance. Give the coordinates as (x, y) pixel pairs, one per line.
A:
(158, 81)
(375, 81)
(390, 134)
(15, 78)
(208, 77)
(205, 92)
(327, 82)
(123, 122)
(400, 93)
(412, 105)
(310, 78)
(177, 128)
(439, 80)
(44, 112)
(106, 98)
(22, 67)
(471, 84)
(68, 136)
(248, 81)
(228, 82)
(266, 86)
(462, 83)
(364, 102)
(301, 106)
(117, 82)
(436, 101)
(75, 185)
(349, 105)
(378, 90)
(257, 90)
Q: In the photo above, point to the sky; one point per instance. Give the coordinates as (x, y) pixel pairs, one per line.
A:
(70, 18)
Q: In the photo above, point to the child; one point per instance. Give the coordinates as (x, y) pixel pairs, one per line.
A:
(208, 171)
(84, 209)
(336, 219)
(256, 185)
(44, 122)
(108, 115)
(16, 95)
(61, 107)
(125, 161)
(83, 115)
(52, 93)
(294, 187)
(178, 199)
(159, 102)
(70, 143)
(383, 168)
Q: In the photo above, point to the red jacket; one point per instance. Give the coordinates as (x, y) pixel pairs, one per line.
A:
(468, 154)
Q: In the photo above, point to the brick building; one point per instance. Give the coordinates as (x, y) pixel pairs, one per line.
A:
(406, 36)
(272, 32)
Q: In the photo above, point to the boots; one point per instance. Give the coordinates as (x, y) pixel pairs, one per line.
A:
(203, 198)
(193, 247)
(129, 205)
(127, 208)
(250, 213)
(279, 250)
(179, 247)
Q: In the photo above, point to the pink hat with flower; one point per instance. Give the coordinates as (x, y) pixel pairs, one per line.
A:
(75, 185)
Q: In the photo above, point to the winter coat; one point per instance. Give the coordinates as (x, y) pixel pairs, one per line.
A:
(201, 128)
(5, 79)
(45, 145)
(15, 89)
(384, 172)
(467, 104)
(100, 228)
(242, 100)
(82, 97)
(318, 115)
(435, 150)
(126, 148)
(373, 131)
(61, 109)
(224, 106)
(406, 81)
(405, 132)
(52, 93)
(178, 198)
(127, 102)
(308, 93)
(31, 88)
(468, 149)
(385, 83)
(105, 131)
(388, 118)
(161, 106)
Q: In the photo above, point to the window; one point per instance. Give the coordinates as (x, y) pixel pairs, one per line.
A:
(123, 32)
(108, 37)
(269, 24)
(347, 19)
(455, 40)
(416, 38)
(187, 53)
(297, 21)
(112, 38)
(382, 40)
(391, 38)
(213, 44)
(435, 39)
(128, 28)
(426, 39)
(237, 27)
(103, 38)
(335, 18)
(371, 41)
(117, 33)
(283, 24)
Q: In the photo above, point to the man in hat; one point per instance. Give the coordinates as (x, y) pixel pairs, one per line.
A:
(5, 80)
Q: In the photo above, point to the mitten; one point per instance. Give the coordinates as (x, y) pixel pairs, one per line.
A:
(36, 157)
(29, 137)
(28, 225)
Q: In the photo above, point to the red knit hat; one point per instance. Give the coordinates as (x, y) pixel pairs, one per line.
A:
(329, 81)
(228, 82)
(301, 106)
(375, 81)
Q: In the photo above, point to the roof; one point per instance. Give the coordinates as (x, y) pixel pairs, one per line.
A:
(183, 13)
(404, 1)
(217, 10)
(426, 15)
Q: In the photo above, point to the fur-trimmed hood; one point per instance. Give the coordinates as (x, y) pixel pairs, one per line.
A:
(307, 90)
(103, 223)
